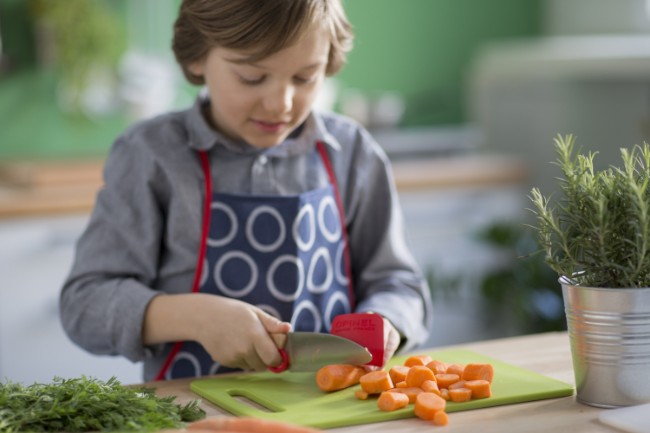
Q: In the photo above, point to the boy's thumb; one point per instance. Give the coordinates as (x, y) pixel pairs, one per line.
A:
(272, 324)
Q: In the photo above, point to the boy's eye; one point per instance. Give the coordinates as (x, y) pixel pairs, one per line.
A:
(251, 81)
(303, 80)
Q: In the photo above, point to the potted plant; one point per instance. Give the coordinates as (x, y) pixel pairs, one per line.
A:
(596, 236)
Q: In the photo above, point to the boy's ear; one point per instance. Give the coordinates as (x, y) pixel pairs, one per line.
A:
(196, 68)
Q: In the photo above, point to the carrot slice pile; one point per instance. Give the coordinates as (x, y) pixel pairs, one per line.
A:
(427, 383)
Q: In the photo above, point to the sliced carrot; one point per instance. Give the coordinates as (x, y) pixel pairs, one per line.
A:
(417, 360)
(398, 373)
(460, 394)
(444, 393)
(480, 388)
(478, 371)
(361, 394)
(246, 425)
(418, 374)
(444, 380)
(438, 367)
(430, 386)
(338, 376)
(459, 384)
(427, 404)
(390, 401)
(376, 382)
(411, 392)
(401, 384)
(455, 369)
(441, 418)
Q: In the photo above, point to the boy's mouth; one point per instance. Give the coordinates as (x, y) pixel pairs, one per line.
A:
(269, 126)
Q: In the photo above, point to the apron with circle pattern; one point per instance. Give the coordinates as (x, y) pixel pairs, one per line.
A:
(287, 255)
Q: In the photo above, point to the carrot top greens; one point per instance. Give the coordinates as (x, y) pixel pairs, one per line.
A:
(87, 404)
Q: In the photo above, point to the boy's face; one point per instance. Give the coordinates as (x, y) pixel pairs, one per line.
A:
(262, 102)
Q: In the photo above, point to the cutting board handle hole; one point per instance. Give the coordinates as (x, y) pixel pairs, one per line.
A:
(253, 401)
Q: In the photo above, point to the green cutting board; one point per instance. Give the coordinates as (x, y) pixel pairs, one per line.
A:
(295, 398)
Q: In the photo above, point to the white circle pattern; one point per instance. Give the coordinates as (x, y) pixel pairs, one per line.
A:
(339, 265)
(328, 201)
(265, 248)
(214, 367)
(204, 272)
(331, 302)
(309, 306)
(322, 288)
(270, 310)
(307, 211)
(189, 357)
(219, 281)
(233, 225)
(270, 283)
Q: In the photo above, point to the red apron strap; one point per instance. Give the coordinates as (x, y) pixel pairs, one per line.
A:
(344, 232)
(205, 227)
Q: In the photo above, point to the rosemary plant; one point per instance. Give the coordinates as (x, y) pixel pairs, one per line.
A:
(598, 233)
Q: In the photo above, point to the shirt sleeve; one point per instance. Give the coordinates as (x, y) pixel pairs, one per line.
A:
(387, 278)
(104, 298)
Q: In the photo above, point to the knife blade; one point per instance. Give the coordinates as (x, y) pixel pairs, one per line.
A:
(309, 351)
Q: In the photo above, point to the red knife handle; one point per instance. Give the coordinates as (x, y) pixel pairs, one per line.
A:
(284, 365)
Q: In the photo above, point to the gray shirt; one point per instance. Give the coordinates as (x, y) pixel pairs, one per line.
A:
(143, 235)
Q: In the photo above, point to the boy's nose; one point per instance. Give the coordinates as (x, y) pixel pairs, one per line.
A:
(280, 100)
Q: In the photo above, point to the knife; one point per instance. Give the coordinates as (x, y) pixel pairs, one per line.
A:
(309, 351)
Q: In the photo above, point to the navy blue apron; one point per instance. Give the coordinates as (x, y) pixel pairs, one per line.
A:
(287, 255)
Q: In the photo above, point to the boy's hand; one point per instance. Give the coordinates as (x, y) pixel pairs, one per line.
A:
(392, 341)
(236, 334)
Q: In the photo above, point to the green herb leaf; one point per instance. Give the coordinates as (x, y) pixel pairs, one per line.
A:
(87, 404)
(598, 232)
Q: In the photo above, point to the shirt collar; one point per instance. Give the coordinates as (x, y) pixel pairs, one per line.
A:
(203, 137)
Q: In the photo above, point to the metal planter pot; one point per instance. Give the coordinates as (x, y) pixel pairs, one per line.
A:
(609, 331)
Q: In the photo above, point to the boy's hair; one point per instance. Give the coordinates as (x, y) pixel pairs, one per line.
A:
(263, 26)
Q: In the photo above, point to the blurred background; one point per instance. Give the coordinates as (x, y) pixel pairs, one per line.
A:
(465, 96)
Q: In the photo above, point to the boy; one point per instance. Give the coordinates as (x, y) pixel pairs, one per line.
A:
(247, 215)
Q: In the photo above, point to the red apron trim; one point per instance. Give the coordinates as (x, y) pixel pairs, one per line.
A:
(344, 232)
(205, 227)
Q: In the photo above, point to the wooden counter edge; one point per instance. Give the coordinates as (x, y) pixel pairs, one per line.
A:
(41, 189)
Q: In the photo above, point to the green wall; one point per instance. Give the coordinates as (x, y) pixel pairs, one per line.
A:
(421, 48)
(418, 48)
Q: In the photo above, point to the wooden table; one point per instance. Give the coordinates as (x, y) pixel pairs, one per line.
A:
(548, 354)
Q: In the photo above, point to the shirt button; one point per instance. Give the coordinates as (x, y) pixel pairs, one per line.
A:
(263, 160)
